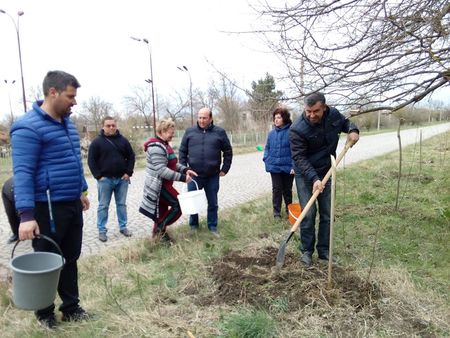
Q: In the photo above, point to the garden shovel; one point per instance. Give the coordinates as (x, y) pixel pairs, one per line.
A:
(312, 200)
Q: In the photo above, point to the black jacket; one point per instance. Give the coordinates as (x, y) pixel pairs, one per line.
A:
(8, 189)
(312, 144)
(201, 149)
(110, 156)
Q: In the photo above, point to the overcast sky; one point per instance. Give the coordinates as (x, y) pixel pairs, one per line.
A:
(91, 40)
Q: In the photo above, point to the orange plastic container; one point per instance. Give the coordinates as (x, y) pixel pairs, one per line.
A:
(294, 212)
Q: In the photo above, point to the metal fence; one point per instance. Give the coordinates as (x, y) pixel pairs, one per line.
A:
(238, 140)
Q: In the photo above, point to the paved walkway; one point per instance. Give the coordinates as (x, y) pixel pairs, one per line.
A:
(246, 181)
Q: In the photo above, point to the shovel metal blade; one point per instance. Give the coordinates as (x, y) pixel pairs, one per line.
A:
(282, 250)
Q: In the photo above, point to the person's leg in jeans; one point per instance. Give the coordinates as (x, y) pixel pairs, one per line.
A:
(307, 226)
(277, 193)
(323, 236)
(69, 230)
(120, 196)
(105, 189)
(211, 190)
(287, 180)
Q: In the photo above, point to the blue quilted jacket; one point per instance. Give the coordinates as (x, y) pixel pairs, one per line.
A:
(46, 155)
(277, 152)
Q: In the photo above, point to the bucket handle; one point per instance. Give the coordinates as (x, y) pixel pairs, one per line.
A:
(196, 185)
(40, 236)
(293, 216)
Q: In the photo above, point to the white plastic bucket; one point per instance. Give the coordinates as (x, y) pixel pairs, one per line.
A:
(193, 202)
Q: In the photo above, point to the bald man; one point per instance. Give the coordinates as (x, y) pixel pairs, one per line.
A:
(206, 149)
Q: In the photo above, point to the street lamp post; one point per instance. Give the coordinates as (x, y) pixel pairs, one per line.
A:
(9, 98)
(150, 81)
(16, 26)
(185, 69)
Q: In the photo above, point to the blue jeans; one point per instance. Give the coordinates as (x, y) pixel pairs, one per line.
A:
(211, 186)
(106, 186)
(307, 226)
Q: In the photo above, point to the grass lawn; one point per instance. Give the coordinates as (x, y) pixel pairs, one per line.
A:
(391, 279)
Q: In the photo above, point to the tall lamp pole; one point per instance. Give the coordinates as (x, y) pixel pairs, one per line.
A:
(150, 81)
(185, 69)
(9, 98)
(16, 26)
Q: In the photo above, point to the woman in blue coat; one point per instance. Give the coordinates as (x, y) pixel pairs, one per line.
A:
(278, 161)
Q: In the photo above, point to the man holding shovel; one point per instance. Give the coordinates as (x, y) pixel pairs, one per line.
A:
(313, 138)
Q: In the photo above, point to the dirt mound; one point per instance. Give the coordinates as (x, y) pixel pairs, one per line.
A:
(242, 279)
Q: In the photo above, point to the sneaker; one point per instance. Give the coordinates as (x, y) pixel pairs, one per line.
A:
(125, 232)
(102, 237)
(76, 316)
(48, 322)
(215, 233)
(325, 257)
(12, 239)
(277, 217)
(306, 258)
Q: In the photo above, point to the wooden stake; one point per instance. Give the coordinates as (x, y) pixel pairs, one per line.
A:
(332, 212)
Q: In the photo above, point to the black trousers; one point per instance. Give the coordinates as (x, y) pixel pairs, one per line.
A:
(11, 213)
(281, 189)
(68, 218)
(169, 209)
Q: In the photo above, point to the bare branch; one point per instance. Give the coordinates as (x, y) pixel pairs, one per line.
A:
(365, 54)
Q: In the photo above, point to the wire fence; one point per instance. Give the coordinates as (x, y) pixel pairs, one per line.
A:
(238, 140)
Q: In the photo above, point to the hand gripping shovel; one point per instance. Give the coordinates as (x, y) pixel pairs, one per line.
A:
(283, 245)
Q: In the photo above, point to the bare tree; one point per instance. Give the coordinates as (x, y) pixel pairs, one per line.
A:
(177, 107)
(228, 103)
(368, 54)
(34, 94)
(210, 97)
(93, 111)
(140, 102)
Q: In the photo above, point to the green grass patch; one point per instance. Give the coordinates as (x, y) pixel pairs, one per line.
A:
(248, 323)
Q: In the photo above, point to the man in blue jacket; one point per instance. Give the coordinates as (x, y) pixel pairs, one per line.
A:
(313, 138)
(47, 164)
(201, 149)
(111, 161)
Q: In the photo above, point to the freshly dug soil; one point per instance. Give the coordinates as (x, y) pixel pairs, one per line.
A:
(243, 279)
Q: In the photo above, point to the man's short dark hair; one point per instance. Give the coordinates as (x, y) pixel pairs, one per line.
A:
(108, 118)
(59, 80)
(313, 98)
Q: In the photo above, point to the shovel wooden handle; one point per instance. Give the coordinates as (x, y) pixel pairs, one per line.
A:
(317, 192)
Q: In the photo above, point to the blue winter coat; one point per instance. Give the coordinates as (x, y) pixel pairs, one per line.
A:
(277, 152)
(46, 155)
